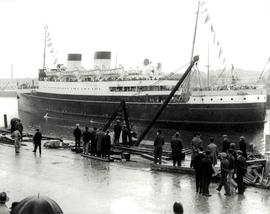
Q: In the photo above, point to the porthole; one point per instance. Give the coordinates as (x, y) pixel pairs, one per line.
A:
(231, 98)
(211, 99)
(245, 98)
(221, 99)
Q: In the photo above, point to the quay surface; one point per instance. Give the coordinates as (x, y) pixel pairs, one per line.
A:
(82, 185)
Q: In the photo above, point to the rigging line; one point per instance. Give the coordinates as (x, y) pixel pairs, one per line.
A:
(260, 77)
(219, 75)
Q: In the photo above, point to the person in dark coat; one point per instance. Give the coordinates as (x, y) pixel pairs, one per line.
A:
(117, 131)
(196, 142)
(107, 145)
(241, 170)
(19, 127)
(226, 143)
(86, 138)
(243, 146)
(176, 145)
(224, 170)
(94, 142)
(37, 141)
(213, 148)
(100, 139)
(198, 172)
(207, 171)
(158, 143)
(232, 167)
(125, 135)
(77, 133)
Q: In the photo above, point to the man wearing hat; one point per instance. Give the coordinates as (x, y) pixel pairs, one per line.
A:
(241, 169)
(224, 170)
(77, 133)
(176, 145)
(207, 171)
(117, 131)
(243, 146)
(226, 143)
(37, 141)
(3, 207)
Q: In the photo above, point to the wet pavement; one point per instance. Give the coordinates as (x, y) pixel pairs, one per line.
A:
(82, 185)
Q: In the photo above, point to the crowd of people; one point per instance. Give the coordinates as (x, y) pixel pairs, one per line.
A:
(95, 141)
(16, 128)
(232, 161)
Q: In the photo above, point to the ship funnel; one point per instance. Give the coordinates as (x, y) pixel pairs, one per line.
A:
(74, 61)
(102, 60)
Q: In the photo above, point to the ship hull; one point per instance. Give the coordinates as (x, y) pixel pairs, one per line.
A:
(175, 114)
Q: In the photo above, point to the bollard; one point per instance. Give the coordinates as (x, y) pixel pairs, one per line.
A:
(5, 121)
(267, 155)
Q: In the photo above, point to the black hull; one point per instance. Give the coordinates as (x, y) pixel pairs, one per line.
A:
(176, 114)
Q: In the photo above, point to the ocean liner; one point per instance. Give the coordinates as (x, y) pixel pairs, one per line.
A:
(73, 92)
(76, 93)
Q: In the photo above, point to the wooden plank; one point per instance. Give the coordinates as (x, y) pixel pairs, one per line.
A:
(173, 169)
(96, 158)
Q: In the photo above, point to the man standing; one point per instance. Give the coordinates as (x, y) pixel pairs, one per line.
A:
(243, 146)
(226, 143)
(3, 207)
(16, 136)
(207, 171)
(125, 135)
(158, 143)
(94, 142)
(107, 145)
(232, 168)
(241, 170)
(37, 141)
(224, 170)
(117, 131)
(212, 147)
(20, 128)
(100, 139)
(86, 138)
(77, 133)
(176, 145)
(196, 142)
(198, 171)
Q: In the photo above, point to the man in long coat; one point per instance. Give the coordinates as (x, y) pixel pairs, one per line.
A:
(198, 171)
(117, 131)
(225, 143)
(37, 141)
(196, 142)
(207, 171)
(77, 133)
(158, 143)
(17, 137)
(107, 145)
(86, 138)
(100, 139)
(243, 146)
(94, 142)
(176, 145)
(213, 148)
(241, 170)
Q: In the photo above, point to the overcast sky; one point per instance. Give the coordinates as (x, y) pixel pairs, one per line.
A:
(161, 30)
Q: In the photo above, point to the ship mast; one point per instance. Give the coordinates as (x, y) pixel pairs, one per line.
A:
(45, 44)
(193, 45)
